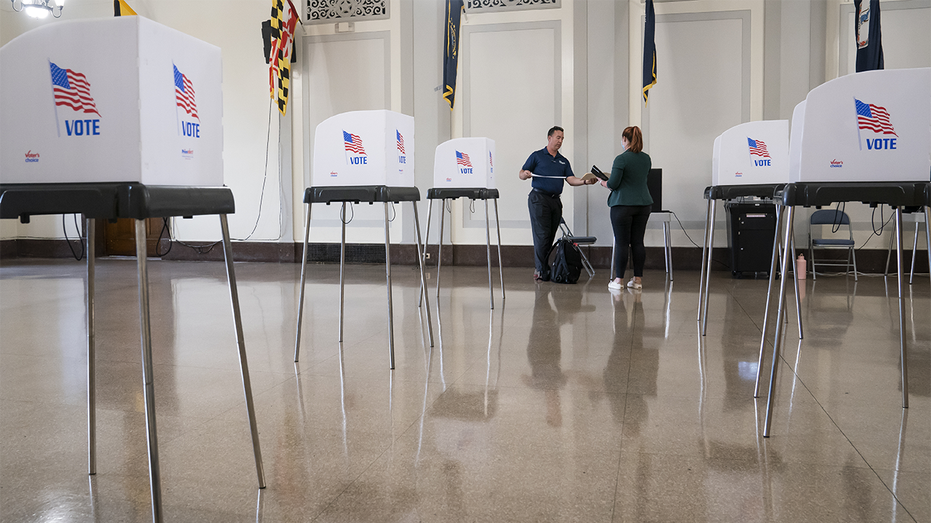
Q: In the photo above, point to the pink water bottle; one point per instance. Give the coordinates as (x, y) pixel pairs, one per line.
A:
(801, 266)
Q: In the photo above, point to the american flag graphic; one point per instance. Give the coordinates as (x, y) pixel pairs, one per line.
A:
(353, 143)
(758, 148)
(463, 159)
(72, 90)
(184, 93)
(400, 142)
(873, 118)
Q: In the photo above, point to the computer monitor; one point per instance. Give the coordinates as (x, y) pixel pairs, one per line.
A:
(655, 185)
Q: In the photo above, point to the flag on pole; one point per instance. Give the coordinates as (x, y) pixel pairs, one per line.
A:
(184, 93)
(451, 49)
(873, 118)
(649, 51)
(758, 148)
(71, 89)
(868, 35)
(121, 8)
(283, 22)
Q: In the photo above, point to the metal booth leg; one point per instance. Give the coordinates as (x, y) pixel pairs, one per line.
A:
(500, 265)
(423, 281)
(928, 234)
(491, 292)
(91, 353)
(707, 275)
(704, 261)
(780, 318)
(798, 296)
(667, 237)
(769, 291)
(300, 300)
(902, 354)
(911, 273)
(148, 386)
(241, 343)
(439, 246)
(426, 242)
(388, 277)
(342, 268)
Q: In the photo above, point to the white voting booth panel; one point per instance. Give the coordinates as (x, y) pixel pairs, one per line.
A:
(364, 148)
(465, 163)
(752, 153)
(120, 99)
(864, 127)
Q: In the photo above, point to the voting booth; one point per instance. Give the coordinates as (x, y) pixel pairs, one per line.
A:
(868, 126)
(118, 118)
(464, 163)
(465, 168)
(752, 153)
(748, 160)
(363, 157)
(864, 137)
(121, 99)
(364, 148)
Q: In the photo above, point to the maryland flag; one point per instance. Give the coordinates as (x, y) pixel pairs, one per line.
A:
(284, 19)
(121, 8)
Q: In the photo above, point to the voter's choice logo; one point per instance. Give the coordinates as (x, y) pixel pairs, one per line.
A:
(491, 162)
(71, 89)
(186, 105)
(874, 120)
(32, 157)
(760, 152)
(355, 151)
(464, 163)
(837, 164)
(402, 156)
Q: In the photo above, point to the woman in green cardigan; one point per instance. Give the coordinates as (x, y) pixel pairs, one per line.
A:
(630, 203)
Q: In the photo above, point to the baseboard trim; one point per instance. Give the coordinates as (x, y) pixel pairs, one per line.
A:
(684, 258)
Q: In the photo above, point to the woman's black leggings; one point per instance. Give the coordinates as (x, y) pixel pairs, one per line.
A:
(630, 224)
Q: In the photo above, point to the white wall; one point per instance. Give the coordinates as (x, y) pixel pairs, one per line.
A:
(721, 62)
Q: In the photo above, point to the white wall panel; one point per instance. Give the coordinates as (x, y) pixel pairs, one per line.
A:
(703, 91)
(511, 93)
(345, 73)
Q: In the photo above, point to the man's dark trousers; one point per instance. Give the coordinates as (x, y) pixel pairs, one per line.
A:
(545, 215)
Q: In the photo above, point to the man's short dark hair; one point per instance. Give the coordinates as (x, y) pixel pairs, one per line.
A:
(553, 129)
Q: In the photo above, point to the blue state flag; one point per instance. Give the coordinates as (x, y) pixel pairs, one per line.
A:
(869, 35)
(451, 49)
(649, 51)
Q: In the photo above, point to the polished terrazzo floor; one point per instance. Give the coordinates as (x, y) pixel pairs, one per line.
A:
(564, 403)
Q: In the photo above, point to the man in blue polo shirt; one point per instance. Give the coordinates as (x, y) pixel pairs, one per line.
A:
(548, 169)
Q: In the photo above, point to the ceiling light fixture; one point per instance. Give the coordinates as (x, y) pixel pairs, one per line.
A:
(39, 8)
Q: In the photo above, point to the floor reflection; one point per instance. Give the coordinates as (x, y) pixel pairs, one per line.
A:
(570, 404)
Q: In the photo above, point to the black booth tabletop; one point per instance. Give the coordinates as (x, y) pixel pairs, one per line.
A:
(816, 194)
(474, 193)
(109, 200)
(361, 194)
(731, 192)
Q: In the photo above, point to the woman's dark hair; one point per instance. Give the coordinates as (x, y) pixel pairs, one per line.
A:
(634, 139)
